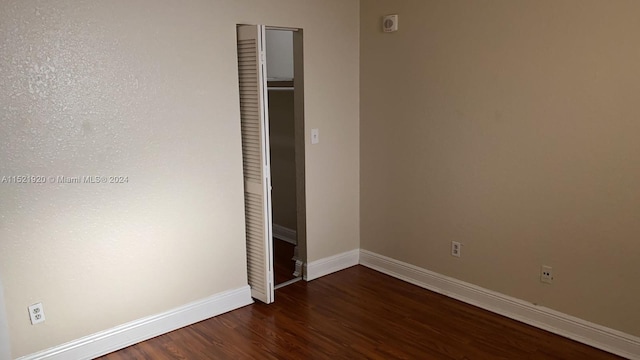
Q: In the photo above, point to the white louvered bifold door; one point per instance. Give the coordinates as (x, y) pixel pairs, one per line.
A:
(255, 156)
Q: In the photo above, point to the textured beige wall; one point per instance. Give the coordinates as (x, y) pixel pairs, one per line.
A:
(148, 90)
(5, 346)
(512, 127)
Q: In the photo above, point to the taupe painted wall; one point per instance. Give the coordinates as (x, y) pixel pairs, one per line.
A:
(279, 54)
(512, 127)
(283, 158)
(148, 89)
(281, 129)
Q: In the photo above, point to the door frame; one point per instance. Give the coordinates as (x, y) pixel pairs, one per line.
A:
(299, 138)
(300, 159)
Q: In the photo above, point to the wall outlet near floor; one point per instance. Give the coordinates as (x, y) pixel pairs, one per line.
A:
(546, 274)
(36, 313)
(456, 249)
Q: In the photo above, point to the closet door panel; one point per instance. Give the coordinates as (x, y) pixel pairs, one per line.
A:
(254, 122)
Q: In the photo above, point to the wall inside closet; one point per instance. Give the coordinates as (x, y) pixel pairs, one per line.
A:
(280, 74)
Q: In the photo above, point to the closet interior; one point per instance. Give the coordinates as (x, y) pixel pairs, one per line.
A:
(280, 85)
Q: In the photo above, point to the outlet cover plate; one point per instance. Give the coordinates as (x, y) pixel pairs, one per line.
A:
(456, 249)
(546, 274)
(36, 313)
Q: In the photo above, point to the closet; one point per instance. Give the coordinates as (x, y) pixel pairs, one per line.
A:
(287, 262)
(271, 88)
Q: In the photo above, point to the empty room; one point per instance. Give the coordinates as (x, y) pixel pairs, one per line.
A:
(462, 179)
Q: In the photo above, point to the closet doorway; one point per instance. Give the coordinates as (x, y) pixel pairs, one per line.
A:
(281, 90)
(270, 61)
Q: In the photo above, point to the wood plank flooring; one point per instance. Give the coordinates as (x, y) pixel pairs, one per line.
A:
(359, 313)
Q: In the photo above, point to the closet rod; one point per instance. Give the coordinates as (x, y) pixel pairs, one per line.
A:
(281, 88)
(280, 28)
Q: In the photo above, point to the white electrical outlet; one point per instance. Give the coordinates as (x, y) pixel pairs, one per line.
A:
(546, 274)
(456, 249)
(36, 313)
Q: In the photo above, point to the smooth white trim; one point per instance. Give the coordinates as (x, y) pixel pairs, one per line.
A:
(5, 349)
(331, 264)
(285, 234)
(134, 332)
(541, 317)
(287, 283)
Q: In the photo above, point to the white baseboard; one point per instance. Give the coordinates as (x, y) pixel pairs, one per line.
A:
(134, 332)
(285, 234)
(326, 266)
(565, 325)
(541, 317)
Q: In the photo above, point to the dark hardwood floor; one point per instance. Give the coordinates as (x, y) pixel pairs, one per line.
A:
(359, 313)
(283, 264)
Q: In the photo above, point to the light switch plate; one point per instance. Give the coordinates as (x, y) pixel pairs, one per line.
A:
(315, 136)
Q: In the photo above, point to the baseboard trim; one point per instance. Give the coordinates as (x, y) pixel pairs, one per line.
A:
(285, 234)
(595, 335)
(326, 266)
(134, 332)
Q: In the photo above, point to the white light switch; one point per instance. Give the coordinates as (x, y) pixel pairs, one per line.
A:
(315, 136)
